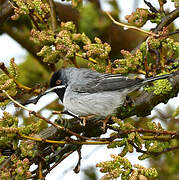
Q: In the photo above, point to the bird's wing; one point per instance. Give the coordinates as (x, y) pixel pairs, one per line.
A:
(92, 82)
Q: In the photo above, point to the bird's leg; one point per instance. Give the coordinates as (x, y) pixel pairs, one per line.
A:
(85, 118)
(105, 122)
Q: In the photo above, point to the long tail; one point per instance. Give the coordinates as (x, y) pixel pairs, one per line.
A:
(160, 77)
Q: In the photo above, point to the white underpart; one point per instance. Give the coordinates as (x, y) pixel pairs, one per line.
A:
(100, 104)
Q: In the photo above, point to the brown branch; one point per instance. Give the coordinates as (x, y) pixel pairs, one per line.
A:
(53, 15)
(170, 149)
(40, 170)
(6, 11)
(166, 20)
(131, 27)
(172, 33)
(158, 132)
(152, 8)
(153, 153)
(121, 133)
(63, 157)
(161, 3)
(145, 102)
(62, 154)
(57, 126)
(34, 22)
(45, 119)
(77, 167)
(21, 39)
(5, 162)
(137, 148)
(68, 141)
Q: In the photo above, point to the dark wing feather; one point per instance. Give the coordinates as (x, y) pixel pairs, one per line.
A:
(92, 82)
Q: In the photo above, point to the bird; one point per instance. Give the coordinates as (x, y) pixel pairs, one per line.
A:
(85, 92)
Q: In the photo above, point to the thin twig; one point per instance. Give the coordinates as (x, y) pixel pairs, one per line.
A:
(77, 167)
(65, 142)
(89, 59)
(73, 60)
(17, 103)
(58, 162)
(153, 152)
(166, 20)
(130, 27)
(5, 162)
(121, 133)
(152, 8)
(40, 170)
(34, 22)
(172, 33)
(46, 120)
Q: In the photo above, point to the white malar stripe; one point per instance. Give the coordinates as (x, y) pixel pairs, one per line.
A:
(56, 87)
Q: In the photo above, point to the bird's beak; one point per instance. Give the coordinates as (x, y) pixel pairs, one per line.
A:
(35, 100)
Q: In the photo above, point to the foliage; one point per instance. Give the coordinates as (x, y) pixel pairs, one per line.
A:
(121, 167)
(61, 44)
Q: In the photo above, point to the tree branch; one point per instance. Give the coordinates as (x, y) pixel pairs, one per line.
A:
(53, 15)
(166, 20)
(130, 27)
(152, 152)
(6, 11)
(145, 102)
(45, 119)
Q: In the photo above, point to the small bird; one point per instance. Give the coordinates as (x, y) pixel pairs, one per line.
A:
(84, 92)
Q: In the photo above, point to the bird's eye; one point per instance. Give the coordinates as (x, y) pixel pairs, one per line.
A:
(58, 82)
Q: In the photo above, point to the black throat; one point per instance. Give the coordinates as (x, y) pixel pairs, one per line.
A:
(60, 92)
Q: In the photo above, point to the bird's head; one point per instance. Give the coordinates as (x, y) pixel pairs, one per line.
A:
(58, 83)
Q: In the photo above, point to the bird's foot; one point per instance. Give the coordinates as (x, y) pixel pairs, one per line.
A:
(85, 118)
(105, 122)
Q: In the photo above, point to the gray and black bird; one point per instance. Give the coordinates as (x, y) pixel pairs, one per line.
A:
(84, 92)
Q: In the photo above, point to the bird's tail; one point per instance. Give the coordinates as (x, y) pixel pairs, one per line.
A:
(165, 76)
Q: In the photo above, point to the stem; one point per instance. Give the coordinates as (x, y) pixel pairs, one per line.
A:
(166, 20)
(46, 120)
(89, 59)
(66, 142)
(17, 103)
(40, 170)
(130, 27)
